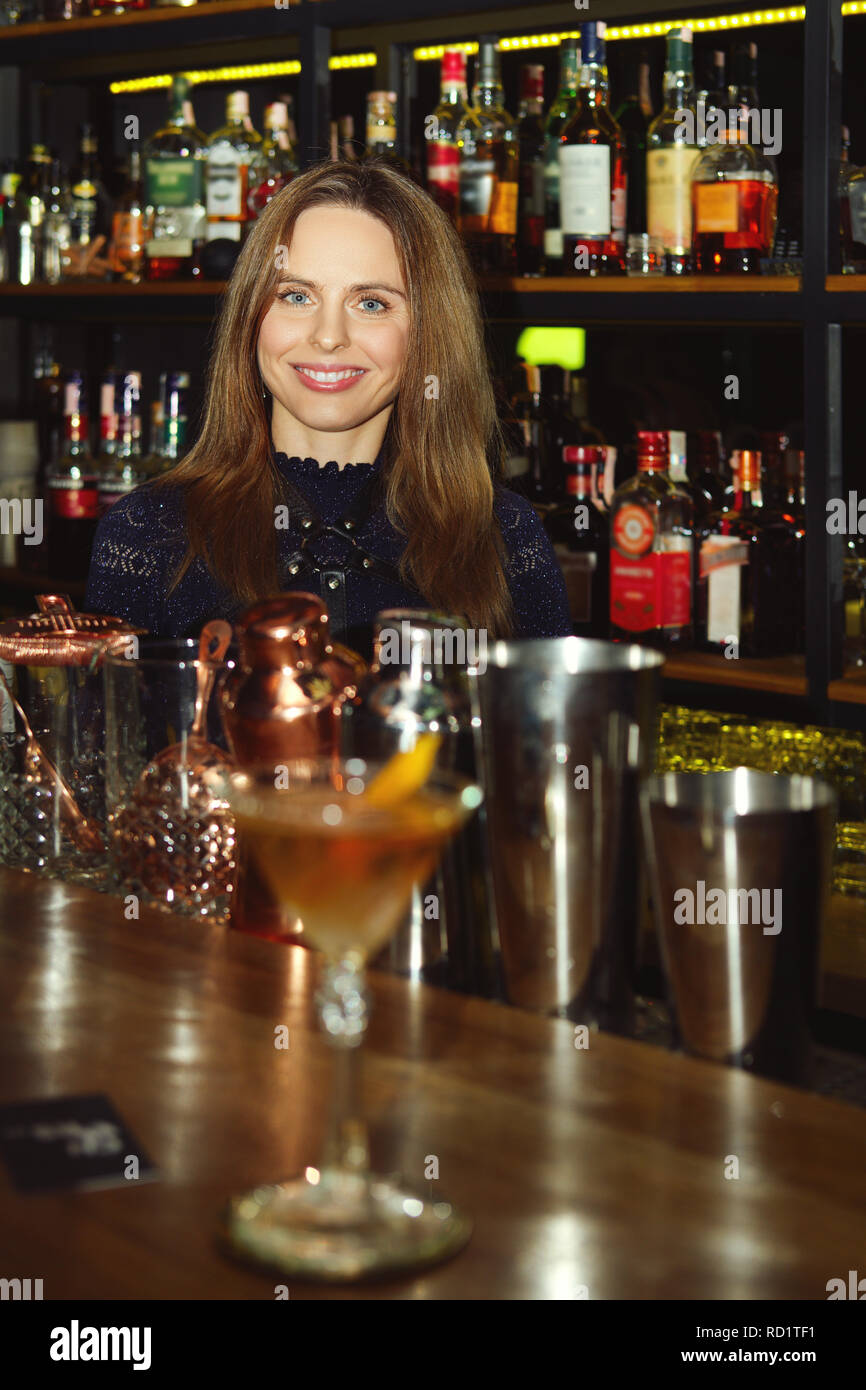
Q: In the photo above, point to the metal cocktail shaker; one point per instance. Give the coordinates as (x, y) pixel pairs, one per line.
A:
(567, 729)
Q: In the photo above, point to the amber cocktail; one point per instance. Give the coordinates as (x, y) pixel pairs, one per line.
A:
(342, 844)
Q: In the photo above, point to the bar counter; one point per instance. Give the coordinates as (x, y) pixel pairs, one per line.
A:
(597, 1172)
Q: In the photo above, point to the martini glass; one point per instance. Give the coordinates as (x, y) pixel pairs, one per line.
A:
(341, 843)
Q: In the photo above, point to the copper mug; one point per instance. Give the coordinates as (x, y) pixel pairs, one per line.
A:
(283, 701)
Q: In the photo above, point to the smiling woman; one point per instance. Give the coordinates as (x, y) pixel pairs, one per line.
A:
(349, 381)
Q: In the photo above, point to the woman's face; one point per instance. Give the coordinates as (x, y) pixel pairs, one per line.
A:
(332, 345)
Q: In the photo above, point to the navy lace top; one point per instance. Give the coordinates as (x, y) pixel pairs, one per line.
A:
(141, 539)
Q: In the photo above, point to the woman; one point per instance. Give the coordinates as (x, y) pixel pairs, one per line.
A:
(350, 445)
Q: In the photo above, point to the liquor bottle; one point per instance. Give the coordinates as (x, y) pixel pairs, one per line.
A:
(57, 230)
(89, 215)
(280, 166)
(530, 147)
(108, 389)
(334, 141)
(174, 397)
(174, 191)
(671, 156)
(735, 196)
(651, 531)
(13, 217)
(633, 117)
(346, 128)
(440, 133)
(558, 117)
(48, 395)
(749, 595)
(592, 180)
(774, 483)
(852, 212)
(381, 123)
(579, 532)
(743, 87)
(234, 166)
(711, 95)
(35, 192)
(706, 474)
(73, 489)
(121, 471)
(129, 227)
(487, 139)
(528, 471)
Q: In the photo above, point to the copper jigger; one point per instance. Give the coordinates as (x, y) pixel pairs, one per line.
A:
(283, 702)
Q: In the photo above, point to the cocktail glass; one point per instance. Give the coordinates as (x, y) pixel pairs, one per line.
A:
(342, 842)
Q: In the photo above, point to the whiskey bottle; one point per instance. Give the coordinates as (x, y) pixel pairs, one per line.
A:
(592, 181)
(234, 167)
(580, 536)
(174, 192)
(89, 210)
(440, 133)
(129, 227)
(651, 532)
(735, 197)
(530, 146)
(708, 483)
(749, 598)
(487, 139)
(672, 152)
(558, 117)
(711, 95)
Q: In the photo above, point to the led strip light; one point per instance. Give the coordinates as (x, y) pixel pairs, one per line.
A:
(657, 29)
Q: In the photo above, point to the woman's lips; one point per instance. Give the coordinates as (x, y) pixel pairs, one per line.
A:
(329, 379)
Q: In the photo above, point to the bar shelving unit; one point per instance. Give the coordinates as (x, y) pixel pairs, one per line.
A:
(816, 304)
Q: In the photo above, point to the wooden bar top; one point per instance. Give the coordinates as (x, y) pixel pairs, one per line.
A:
(602, 1167)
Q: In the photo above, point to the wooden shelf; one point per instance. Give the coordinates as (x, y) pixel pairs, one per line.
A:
(851, 688)
(780, 675)
(11, 578)
(846, 284)
(638, 284)
(162, 14)
(84, 288)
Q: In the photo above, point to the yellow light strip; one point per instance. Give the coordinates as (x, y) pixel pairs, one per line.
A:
(790, 14)
(245, 73)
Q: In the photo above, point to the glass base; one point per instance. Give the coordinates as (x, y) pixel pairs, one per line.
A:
(341, 1227)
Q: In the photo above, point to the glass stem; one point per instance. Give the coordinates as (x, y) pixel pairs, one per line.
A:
(343, 1013)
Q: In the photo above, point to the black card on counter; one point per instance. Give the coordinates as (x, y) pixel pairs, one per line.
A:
(70, 1141)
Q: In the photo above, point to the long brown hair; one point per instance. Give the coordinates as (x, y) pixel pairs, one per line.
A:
(443, 445)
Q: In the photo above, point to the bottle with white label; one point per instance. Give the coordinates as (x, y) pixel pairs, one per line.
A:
(558, 118)
(235, 164)
(672, 152)
(592, 177)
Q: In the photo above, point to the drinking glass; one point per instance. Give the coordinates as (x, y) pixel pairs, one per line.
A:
(345, 860)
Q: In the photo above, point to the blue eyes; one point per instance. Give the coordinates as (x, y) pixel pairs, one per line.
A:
(297, 298)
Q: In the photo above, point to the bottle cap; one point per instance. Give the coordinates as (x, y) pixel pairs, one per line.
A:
(532, 82)
(652, 450)
(592, 42)
(238, 104)
(679, 49)
(277, 116)
(581, 453)
(487, 70)
(453, 66)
